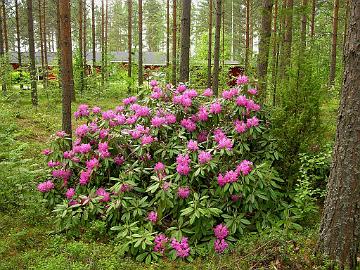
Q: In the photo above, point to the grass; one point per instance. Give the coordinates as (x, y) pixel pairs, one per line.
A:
(27, 238)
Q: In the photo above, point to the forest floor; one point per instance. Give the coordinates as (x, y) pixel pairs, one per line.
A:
(27, 238)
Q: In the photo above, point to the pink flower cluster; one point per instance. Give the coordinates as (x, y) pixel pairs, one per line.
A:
(160, 242)
(244, 168)
(229, 94)
(182, 248)
(208, 92)
(183, 164)
(222, 140)
(192, 145)
(188, 124)
(46, 186)
(249, 104)
(83, 110)
(204, 157)
(103, 149)
(215, 108)
(221, 232)
(242, 80)
(129, 100)
(183, 192)
(70, 193)
(61, 173)
(104, 194)
(152, 217)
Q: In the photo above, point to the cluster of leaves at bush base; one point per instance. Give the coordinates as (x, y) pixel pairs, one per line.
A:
(164, 171)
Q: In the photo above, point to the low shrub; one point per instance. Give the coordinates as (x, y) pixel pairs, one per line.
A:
(176, 174)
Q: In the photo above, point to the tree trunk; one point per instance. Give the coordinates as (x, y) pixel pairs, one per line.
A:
(303, 26)
(18, 41)
(275, 53)
(167, 39)
(247, 36)
(85, 42)
(129, 2)
(3, 84)
(340, 224)
(80, 45)
(140, 71)
(215, 83)
(287, 43)
(174, 35)
(106, 72)
(185, 41)
(46, 65)
(93, 34)
(41, 35)
(223, 33)
(334, 43)
(313, 13)
(67, 69)
(6, 40)
(210, 43)
(347, 6)
(264, 46)
(34, 97)
(58, 48)
(102, 43)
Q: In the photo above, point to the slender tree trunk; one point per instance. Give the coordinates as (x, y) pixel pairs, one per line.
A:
(2, 55)
(85, 43)
(215, 82)
(41, 35)
(210, 43)
(334, 43)
(264, 46)
(34, 97)
(66, 60)
(275, 51)
(287, 43)
(93, 34)
(303, 26)
(185, 41)
(102, 43)
(340, 224)
(46, 65)
(247, 36)
(58, 48)
(174, 39)
(167, 39)
(6, 40)
(18, 41)
(223, 33)
(313, 14)
(140, 71)
(347, 6)
(80, 45)
(129, 2)
(106, 71)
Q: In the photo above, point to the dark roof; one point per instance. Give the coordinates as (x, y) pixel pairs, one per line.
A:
(13, 58)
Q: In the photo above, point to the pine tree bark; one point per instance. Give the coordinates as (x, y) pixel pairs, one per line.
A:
(287, 42)
(215, 82)
(303, 26)
(140, 71)
(41, 35)
(66, 60)
(85, 42)
(313, 14)
(2, 55)
(18, 42)
(6, 37)
(129, 3)
(58, 48)
(264, 46)
(275, 52)
(210, 43)
(247, 36)
(106, 71)
(334, 43)
(46, 65)
(102, 43)
(167, 38)
(174, 39)
(340, 224)
(80, 45)
(93, 34)
(185, 41)
(34, 97)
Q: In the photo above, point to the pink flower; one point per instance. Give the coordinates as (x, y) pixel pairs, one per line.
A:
(47, 152)
(202, 137)
(46, 186)
(188, 125)
(252, 106)
(182, 248)
(221, 180)
(160, 243)
(84, 177)
(252, 91)
(240, 126)
(252, 122)
(204, 157)
(82, 148)
(215, 108)
(68, 154)
(132, 119)
(159, 167)
(147, 139)
(153, 83)
(125, 188)
(227, 94)
(52, 164)
(235, 198)
(61, 134)
(83, 110)
(225, 143)
(191, 93)
(219, 135)
(158, 121)
(166, 186)
(208, 92)
(192, 145)
(103, 149)
(96, 110)
(82, 130)
(102, 193)
(242, 101)
(170, 119)
(220, 245)
(141, 111)
(119, 109)
(152, 217)
(245, 167)
(119, 160)
(181, 88)
(231, 176)
(70, 193)
(183, 162)
(221, 231)
(203, 114)
(107, 115)
(183, 192)
(64, 174)
(129, 100)
(242, 80)
(92, 163)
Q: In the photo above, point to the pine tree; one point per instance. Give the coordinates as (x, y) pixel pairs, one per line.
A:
(34, 97)
(185, 41)
(215, 82)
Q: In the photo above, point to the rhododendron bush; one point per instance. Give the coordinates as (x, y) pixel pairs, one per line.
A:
(172, 174)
